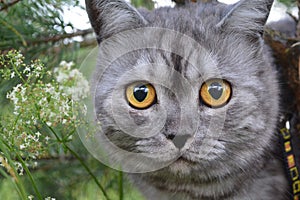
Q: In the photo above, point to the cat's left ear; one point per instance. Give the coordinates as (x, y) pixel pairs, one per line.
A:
(246, 16)
(109, 17)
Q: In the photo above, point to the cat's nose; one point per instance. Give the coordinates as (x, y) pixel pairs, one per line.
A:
(178, 140)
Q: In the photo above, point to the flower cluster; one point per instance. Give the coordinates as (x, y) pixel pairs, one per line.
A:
(42, 101)
(71, 81)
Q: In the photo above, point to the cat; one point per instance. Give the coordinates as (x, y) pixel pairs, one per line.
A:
(193, 90)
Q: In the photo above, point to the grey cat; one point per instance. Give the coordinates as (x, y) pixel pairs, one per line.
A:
(215, 102)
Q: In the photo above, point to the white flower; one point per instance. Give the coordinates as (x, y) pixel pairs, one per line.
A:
(74, 73)
(37, 74)
(34, 138)
(47, 138)
(29, 74)
(49, 198)
(61, 77)
(12, 75)
(43, 102)
(34, 120)
(19, 56)
(17, 108)
(48, 123)
(23, 94)
(27, 69)
(63, 63)
(22, 146)
(18, 62)
(39, 67)
(19, 168)
(67, 65)
(38, 134)
(30, 197)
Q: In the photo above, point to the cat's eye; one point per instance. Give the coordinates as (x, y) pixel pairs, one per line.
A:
(215, 93)
(141, 96)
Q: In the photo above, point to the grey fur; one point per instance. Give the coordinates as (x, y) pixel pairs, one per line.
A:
(109, 17)
(237, 18)
(235, 161)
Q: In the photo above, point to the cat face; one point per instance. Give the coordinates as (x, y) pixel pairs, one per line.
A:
(187, 90)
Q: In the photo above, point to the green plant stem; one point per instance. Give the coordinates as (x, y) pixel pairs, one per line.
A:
(18, 73)
(39, 196)
(19, 186)
(81, 162)
(13, 128)
(121, 187)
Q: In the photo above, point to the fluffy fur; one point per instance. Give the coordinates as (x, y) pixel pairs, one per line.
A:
(228, 152)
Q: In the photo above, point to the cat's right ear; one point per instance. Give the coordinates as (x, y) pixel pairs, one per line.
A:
(109, 17)
(246, 16)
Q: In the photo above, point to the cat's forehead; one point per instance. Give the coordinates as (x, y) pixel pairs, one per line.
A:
(171, 68)
(188, 17)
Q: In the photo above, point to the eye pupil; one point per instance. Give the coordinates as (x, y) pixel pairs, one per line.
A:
(141, 96)
(215, 89)
(140, 93)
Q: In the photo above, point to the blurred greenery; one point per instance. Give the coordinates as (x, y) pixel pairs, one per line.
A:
(149, 4)
(65, 179)
(37, 29)
(288, 3)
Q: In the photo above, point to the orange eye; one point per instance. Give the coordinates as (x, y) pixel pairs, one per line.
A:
(215, 93)
(141, 96)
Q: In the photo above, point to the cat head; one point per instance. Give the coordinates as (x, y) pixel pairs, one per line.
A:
(184, 88)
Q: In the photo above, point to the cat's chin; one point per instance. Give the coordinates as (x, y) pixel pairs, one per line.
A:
(181, 166)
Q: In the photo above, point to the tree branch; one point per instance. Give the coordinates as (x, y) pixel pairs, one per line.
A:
(9, 4)
(59, 37)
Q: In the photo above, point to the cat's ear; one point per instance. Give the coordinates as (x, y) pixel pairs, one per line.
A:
(247, 16)
(108, 17)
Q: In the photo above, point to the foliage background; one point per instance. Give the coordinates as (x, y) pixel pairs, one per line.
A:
(37, 29)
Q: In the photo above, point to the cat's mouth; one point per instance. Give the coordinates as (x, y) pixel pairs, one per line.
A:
(185, 160)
